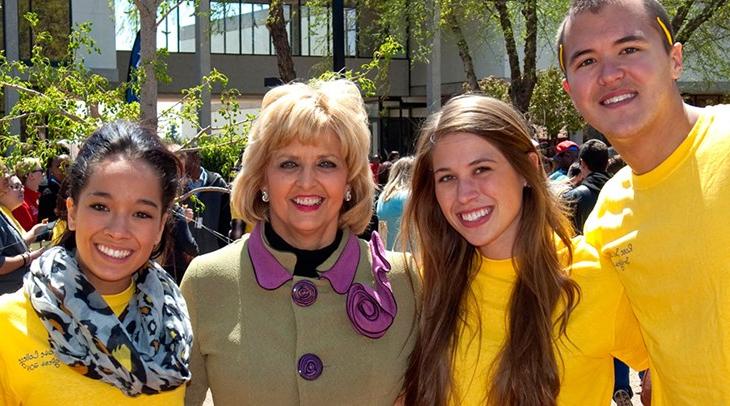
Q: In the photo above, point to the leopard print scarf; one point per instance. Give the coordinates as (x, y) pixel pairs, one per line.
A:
(146, 350)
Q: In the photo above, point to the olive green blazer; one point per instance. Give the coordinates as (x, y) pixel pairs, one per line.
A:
(250, 342)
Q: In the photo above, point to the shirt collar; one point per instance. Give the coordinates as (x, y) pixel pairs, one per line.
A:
(271, 274)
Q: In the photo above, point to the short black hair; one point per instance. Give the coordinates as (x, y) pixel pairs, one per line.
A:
(654, 9)
(595, 154)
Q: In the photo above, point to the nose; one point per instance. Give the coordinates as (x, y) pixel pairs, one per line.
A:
(466, 190)
(117, 227)
(306, 177)
(611, 72)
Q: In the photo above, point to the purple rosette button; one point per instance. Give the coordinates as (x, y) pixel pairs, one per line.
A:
(368, 317)
(310, 367)
(304, 293)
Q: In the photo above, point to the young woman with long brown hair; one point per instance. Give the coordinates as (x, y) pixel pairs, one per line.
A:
(513, 311)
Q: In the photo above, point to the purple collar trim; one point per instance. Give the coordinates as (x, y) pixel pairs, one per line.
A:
(371, 310)
(270, 274)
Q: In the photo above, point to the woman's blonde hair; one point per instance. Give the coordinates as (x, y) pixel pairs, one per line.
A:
(26, 166)
(304, 112)
(399, 178)
(526, 370)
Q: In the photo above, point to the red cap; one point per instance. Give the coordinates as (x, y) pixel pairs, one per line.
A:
(565, 146)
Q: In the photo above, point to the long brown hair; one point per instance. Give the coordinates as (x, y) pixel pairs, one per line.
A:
(525, 371)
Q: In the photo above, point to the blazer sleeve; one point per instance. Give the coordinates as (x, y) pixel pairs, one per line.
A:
(198, 386)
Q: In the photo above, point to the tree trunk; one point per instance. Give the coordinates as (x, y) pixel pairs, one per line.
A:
(277, 27)
(522, 79)
(522, 96)
(464, 53)
(148, 52)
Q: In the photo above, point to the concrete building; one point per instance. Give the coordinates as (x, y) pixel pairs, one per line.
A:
(240, 47)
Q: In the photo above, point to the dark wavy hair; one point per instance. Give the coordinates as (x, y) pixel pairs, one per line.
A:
(133, 142)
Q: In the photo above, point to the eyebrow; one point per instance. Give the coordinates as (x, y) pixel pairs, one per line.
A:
(472, 163)
(145, 202)
(622, 40)
(295, 157)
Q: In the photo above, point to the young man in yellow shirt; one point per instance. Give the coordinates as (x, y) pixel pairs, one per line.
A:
(658, 222)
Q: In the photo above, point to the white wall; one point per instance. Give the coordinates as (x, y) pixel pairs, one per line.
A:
(101, 15)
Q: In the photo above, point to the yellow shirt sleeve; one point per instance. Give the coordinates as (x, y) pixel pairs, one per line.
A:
(629, 344)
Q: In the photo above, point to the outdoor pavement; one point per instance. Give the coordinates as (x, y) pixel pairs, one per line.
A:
(635, 386)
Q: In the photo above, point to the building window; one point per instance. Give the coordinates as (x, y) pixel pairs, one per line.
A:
(54, 17)
(176, 31)
(240, 28)
(316, 25)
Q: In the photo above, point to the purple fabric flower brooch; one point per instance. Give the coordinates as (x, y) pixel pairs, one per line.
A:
(371, 310)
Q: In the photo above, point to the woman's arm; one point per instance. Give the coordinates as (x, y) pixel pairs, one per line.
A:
(30, 235)
(15, 262)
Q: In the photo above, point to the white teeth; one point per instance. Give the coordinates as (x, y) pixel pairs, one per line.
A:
(618, 99)
(475, 215)
(114, 253)
(308, 201)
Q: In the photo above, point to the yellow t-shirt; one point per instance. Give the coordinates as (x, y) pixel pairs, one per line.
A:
(666, 235)
(30, 373)
(601, 327)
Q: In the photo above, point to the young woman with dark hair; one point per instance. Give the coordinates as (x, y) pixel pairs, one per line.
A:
(96, 317)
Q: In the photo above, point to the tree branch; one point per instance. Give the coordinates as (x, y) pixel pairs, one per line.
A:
(202, 189)
(162, 18)
(64, 113)
(681, 14)
(695, 22)
(11, 118)
(205, 130)
(231, 142)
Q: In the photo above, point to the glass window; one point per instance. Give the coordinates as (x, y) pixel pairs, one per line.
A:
(261, 41)
(233, 28)
(54, 17)
(173, 31)
(176, 32)
(186, 19)
(350, 32)
(126, 26)
(316, 30)
(217, 27)
(247, 20)
(167, 32)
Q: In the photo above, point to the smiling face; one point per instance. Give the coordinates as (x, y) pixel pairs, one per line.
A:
(479, 192)
(118, 220)
(306, 186)
(618, 72)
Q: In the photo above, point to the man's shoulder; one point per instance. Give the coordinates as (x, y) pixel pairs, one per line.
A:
(215, 179)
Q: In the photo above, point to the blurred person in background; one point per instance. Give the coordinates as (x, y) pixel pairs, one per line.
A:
(392, 200)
